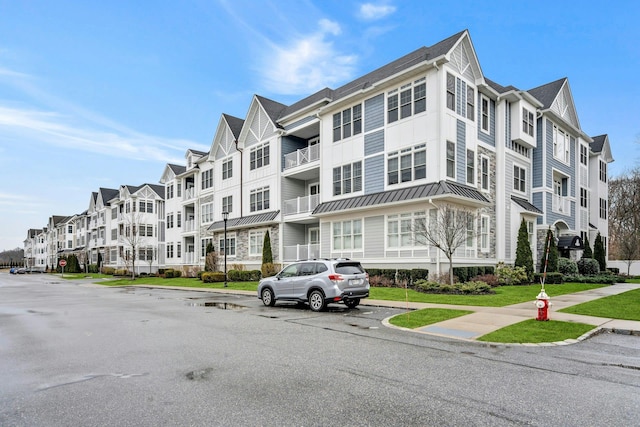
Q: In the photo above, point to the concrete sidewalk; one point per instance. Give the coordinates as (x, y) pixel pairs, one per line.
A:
(488, 319)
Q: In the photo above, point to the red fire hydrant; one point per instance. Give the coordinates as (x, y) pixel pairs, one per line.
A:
(543, 304)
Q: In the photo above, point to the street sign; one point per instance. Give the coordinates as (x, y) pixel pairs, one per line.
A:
(62, 263)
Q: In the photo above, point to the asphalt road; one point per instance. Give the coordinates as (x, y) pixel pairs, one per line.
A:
(73, 354)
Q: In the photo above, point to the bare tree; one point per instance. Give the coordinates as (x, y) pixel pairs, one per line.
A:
(624, 215)
(132, 238)
(447, 228)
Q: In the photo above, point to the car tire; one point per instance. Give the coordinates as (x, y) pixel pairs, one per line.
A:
(316, 301)
(267, 297)
(352, 303)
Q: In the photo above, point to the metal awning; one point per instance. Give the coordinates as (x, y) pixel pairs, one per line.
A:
(570, 242)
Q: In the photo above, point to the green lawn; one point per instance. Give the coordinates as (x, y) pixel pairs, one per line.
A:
(622, 306)
(181, 282)
(505, 295)
(427, 316)
(72, 276)
(533, 331)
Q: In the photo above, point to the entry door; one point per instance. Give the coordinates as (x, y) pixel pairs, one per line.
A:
(314, 189)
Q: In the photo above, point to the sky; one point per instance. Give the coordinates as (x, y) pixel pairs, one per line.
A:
(102, 94)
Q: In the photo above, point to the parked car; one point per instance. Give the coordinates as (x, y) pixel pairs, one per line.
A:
(21, 270)
(317, 282)
(13, 270)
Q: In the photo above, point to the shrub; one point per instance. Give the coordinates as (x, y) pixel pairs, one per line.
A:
(108, 270)
(606, 279)
(199, 274)
(508, 275)
(243, 275)
(567, 266)
(489, 279)
(466, 288)
(551, 279)
(212, 277)
(269, 269)
(171, 273)
(381, 281)
(120, 272)
(239, 267)
(93, 268)
(588, 266)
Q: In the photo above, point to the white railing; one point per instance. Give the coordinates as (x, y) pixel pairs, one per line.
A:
(309, 251)
(189, 225)
(189, 193)
(301, 204)
(188, 257)
(300, 157)
(561, 205)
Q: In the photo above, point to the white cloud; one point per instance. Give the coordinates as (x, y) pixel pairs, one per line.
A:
(308, 64)
(371, 12)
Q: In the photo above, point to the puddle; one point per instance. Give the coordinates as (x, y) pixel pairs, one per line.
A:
(217, 304)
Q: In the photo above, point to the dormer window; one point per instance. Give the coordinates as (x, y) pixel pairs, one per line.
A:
(527, 122)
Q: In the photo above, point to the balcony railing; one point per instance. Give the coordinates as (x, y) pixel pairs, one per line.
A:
(309, 251)
(189, 225)
(189, 193)
(188, 257)
(300, 157)
(561, 205)
(301, 204)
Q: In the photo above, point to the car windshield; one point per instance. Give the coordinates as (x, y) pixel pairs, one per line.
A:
(349, 268)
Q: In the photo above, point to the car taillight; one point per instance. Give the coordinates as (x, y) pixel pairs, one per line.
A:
(335, 277)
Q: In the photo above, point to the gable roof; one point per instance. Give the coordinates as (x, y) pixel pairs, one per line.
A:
(424, 191)
(499, 88)
(547, 93)
(272, 108)
(176, 169)
(235, 124)
(598, 143)
(107, 194)
(601, 146)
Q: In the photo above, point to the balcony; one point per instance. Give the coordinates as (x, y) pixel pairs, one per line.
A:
(561, 204)
(301, 157)
(189, 225)
(309, 251)
(301, 204)
(189, 193)
(189, 258)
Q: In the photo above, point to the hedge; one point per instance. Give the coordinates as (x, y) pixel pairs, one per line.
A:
(551, 279)
(212, 277)
(244, 275)
(465, 274)
(402, 274)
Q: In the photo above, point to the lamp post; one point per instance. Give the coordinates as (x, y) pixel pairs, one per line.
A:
(225, 217)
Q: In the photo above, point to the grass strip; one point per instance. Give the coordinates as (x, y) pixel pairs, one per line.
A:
(533, 331)
(426, 316)
(624, 306)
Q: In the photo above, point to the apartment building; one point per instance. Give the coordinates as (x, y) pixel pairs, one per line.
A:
(347, 172)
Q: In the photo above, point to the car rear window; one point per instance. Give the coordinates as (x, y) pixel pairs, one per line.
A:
(349, 268)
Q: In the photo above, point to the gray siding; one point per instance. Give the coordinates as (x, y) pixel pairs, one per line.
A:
(507, 121)
(537, 159)
(374, 174)
(374, 237)
(536, 200)
(293, 234)
(292, 188)
(325, 240)
(299, 122)
(552, 162)
(374, 113)
(374, 143)
(461, 153)
(552, 217)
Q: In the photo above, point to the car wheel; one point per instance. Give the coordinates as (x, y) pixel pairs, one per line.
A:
(352, 303)
(316, 301)
(267, 297)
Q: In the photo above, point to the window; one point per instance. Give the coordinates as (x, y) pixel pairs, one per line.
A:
(207, 179)
(227, 169)
(146, 230)
(451, 159)
(170, 250)
(409, 99)
(259, 156)
(179, 189)
(519, 178)
(146, 206)
(603, 208)
(256, 238)
(471, 103)
(259, 199)
(603, 171)
(406, 165)
(227, 204)
(347, 178)
(170, 220)
(451, 92)
(471, 232)
(114, 213)
(347, 123)
(484, 165)
(170, 191)
(527, 122)
(484, 111)
(114, 234)
(471, 167)
(230, 247)
(347, 235)
(400, 230)
(179, 220)
(583, 154)
(178, 250)
(206, 213)
(203, 245)
(584, 200)
(484, 233)
(560, 144)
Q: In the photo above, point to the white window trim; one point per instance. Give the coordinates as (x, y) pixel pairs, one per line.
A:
(483, 157)
(253, 233)
(485, 232)
(526, 178)
(486, 131)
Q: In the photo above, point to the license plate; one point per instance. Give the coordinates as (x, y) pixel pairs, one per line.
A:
(355, 282)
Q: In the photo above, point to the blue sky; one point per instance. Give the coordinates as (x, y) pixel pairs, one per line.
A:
(98, 94)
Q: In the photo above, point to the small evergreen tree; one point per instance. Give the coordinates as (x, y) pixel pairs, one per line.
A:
(209, 248)
(552, 259)
(524, 257)
(267, 255)
(599, 253)
(586, 253)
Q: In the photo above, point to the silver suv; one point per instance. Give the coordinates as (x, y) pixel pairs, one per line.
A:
(318, 282)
